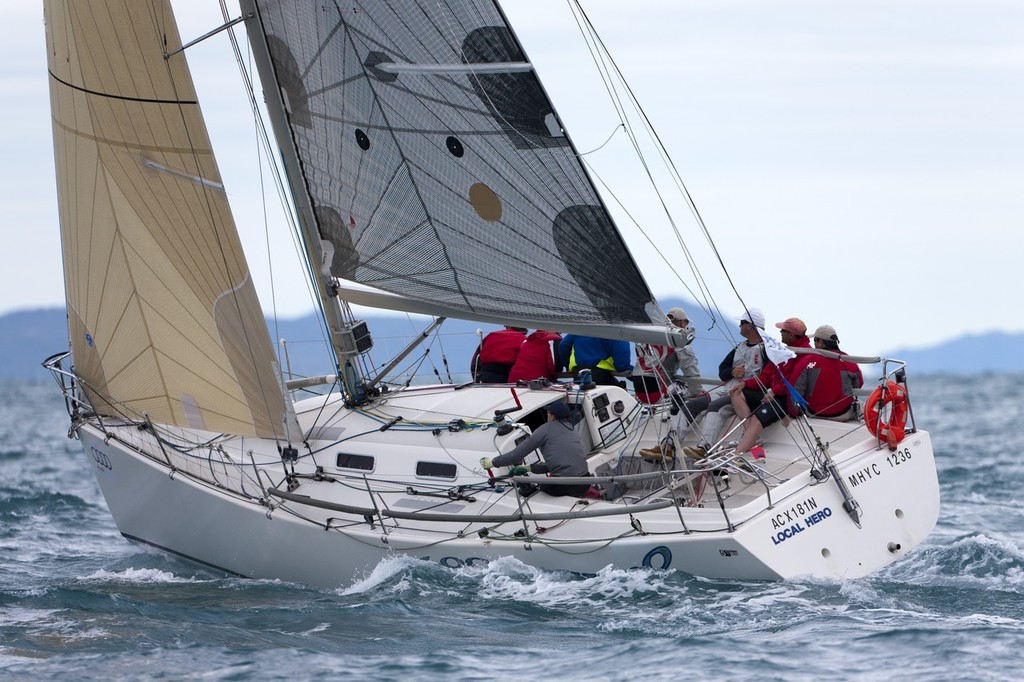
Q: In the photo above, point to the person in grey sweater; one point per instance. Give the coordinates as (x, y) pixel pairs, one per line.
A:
(559, 445)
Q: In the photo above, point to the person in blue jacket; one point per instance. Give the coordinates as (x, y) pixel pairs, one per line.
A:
(603, 357)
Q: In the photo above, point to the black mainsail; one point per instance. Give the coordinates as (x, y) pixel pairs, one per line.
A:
(436, 167)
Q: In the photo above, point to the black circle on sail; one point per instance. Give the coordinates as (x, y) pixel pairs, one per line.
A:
(455, 146)
(362, 140)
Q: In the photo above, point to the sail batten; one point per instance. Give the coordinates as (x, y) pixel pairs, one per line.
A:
(435, 164)
(497, 67)
(163, 317)
(204, 182)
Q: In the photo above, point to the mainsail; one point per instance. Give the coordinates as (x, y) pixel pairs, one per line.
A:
(162, 314)
(436, 167)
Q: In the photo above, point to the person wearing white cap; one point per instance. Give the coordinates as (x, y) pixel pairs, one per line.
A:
(754, 316)
(828, 383)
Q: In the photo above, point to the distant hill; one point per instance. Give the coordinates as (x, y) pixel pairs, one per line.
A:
(996, 352)
(29, 336)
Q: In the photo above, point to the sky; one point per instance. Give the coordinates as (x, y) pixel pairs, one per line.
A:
(857, 164)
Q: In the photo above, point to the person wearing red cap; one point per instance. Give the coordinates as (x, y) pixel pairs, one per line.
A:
(795, 327)
(763, 400)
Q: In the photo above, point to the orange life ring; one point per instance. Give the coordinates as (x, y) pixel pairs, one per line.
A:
(891, 430)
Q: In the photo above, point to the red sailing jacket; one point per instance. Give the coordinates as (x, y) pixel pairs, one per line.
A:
(826, 383)
(536, 357)
(770, 377)
(501, 346)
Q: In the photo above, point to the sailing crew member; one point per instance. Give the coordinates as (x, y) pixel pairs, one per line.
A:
(559, 445)
(536, 359)
(763, 398)
(603, 357)
(496, 354)
(743, 362)
(828, 383)
(663, 368)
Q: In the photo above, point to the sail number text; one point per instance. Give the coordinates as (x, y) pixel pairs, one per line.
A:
(901, 456)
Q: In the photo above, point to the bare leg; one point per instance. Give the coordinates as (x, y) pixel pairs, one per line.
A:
(751, 432)
(739, 404)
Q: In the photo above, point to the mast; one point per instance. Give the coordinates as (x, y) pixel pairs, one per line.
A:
(346, 342)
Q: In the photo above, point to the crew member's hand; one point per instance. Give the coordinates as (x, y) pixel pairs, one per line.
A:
(520, 470)
(486, 462)
(738, 370)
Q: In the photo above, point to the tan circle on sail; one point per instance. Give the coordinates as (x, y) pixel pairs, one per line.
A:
(485, 202)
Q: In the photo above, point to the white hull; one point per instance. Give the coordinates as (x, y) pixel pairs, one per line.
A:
(215, 512)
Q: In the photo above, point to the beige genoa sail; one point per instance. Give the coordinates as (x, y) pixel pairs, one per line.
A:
(163, 317)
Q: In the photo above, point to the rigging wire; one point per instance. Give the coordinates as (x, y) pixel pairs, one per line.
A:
(607, 67)
(599, 56)
(288, 209)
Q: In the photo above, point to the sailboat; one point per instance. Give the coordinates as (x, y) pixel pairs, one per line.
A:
(430, 173)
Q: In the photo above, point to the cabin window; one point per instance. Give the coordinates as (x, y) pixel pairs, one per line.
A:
(347, 460)
(437, 470)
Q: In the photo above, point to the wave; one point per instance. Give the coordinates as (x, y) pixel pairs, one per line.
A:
(137, 576)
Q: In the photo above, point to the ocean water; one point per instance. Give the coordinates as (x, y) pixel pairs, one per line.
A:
(79, 602)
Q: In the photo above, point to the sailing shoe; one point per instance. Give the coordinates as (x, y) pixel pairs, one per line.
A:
(696, 451)
(659, 453)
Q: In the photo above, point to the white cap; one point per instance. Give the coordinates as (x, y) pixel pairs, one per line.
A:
(755, 316)
(826, 332)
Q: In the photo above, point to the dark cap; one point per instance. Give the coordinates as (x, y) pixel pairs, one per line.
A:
(559, 409)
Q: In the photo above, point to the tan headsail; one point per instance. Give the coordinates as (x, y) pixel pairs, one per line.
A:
(162, 314)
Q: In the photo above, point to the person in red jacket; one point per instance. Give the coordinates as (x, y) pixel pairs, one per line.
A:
(496, 354)
(828, 383)
(536, 358)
